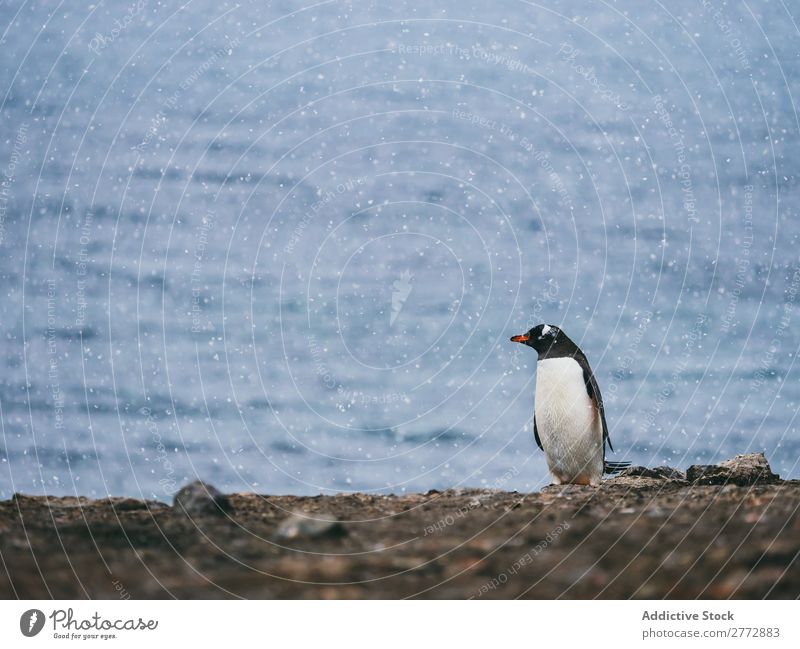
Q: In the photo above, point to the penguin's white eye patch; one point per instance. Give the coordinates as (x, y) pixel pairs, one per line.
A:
(545, 330)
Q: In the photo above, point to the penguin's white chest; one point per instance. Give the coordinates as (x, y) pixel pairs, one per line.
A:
(568, 422)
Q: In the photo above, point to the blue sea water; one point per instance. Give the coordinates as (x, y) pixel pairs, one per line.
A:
(282, 247)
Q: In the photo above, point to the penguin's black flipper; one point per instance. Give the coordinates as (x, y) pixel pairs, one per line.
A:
(536, 434)
(593, 390)
(615, 467)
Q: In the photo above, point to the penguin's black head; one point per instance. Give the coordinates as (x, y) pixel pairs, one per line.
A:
(545, 339)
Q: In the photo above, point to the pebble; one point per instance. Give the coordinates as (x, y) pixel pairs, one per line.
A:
(310, 526)
(199, 498)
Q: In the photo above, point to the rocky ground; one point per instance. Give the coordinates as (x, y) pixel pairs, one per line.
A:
(730, 530)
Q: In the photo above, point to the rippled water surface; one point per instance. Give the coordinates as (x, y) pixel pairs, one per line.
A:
(282, 248)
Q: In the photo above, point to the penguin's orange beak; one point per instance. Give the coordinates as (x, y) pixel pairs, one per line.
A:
(522, 338)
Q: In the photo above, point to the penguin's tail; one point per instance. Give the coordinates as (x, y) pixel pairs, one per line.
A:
(615, 467)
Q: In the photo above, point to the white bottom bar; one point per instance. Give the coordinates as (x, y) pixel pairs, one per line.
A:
(382, 624)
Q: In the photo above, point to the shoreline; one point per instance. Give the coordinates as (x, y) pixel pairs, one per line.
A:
(714, 532)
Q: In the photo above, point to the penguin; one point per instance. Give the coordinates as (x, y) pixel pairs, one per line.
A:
(569, 422)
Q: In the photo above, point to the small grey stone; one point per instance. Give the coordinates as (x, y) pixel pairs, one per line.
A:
(750, 469)
(706, 474)
(743, 470)
(309, 526)
(199, 498)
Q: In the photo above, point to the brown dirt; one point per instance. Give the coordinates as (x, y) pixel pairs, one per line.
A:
(635, 536)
